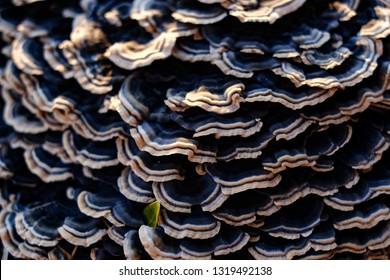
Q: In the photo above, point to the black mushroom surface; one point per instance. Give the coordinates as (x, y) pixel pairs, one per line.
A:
(246, 129)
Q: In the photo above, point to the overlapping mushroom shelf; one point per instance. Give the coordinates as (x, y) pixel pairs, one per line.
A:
(261, 127)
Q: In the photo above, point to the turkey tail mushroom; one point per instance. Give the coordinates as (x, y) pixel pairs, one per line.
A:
(203, 129)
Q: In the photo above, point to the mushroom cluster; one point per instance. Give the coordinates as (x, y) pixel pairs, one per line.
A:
(258, 129)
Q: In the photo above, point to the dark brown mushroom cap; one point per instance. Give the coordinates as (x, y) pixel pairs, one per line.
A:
(251, 175)
(261, 11)
(300, 182)
(132, 246)
(56, 58)
(11, 77)
(8, 20)
(378, 27)
(27, 54)
(84, 53)
(238, 123)
(304, 151)
(153, 138)
(105, 176)
(10, 239)
(153, 16)
(361, 66)
(326, 60)
(113, 207)
(46, 166)
(286, 223)
(196, 225)
(16, 172)
(32, 252)
(117, 234)
(287, 124)
(192, 49)
(229, 240)
(194, 190)
(82, 230)
(245, 208)
(250, 147)
(106, 250)
(134, 188)
(365, 215)
(113, 12)
(242, 64)
(370, 185)
(361, 240)
(99, 126)
(139, 95)
(43, 95)
(160, 246)
(157, 244)
(316, 255)
(145, 166)
(352, 101)
(17, 116)
(375, 143)
(212, 92)
(90, 78)
(197, 13)
(6, 166)
(30, 222)
(131, 55)
(251, 11)
(39, 225)
(272, 88)
(89, 153)
(268, 247)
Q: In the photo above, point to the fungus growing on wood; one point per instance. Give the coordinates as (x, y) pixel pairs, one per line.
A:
(208, 129)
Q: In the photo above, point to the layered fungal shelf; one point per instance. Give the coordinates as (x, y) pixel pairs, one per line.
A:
(261, 129)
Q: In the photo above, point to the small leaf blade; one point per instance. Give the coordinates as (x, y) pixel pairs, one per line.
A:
(151, 213)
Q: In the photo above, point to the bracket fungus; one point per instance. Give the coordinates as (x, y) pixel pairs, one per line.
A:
(195, 129)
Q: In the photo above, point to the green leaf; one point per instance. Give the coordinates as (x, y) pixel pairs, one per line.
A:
(151, 213)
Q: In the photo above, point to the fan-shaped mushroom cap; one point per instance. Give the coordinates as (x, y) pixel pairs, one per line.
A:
(261, 129)
(268, 247)
(82, 230)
